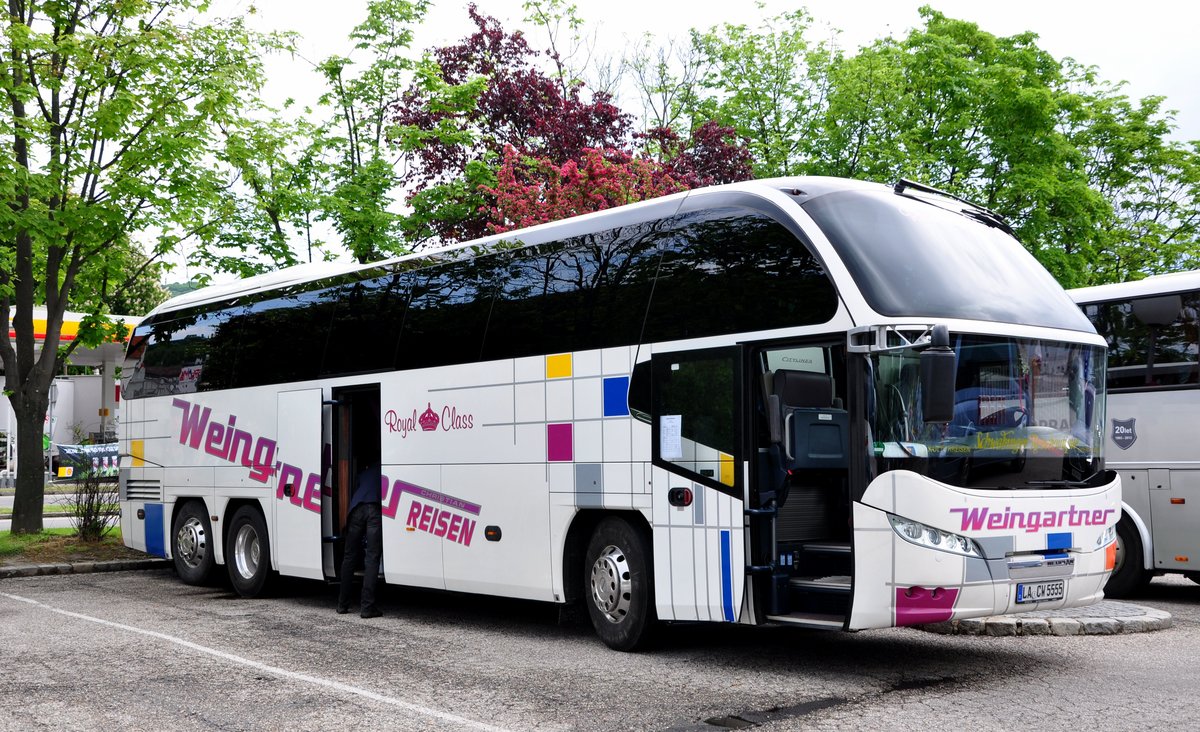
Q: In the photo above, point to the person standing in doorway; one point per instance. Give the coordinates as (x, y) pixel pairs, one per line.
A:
(364, 540)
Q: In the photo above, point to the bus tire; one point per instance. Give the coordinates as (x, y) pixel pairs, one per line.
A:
(618, 586)
(248, 552)
(1128, 575)
(191, 544)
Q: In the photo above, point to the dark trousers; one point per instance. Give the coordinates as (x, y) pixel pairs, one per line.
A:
(364, 530)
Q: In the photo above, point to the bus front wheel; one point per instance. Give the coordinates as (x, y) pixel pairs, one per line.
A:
(248, 552)
(1129, 575)
(618, 585)
(191, 544)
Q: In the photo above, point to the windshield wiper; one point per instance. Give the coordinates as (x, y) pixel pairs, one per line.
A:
(1061, 482)
(973, 211)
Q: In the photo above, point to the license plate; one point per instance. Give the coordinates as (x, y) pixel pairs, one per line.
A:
(1041, 591)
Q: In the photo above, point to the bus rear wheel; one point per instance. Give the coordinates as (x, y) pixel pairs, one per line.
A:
(248, 552)
(191, 544)
(1129, 575)
(618, 586)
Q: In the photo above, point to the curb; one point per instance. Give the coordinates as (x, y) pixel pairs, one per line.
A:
(121, 565)
(1138, 620)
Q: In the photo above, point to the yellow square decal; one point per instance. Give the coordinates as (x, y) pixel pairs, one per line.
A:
(137, 451)
(558, 366)
(727, 466)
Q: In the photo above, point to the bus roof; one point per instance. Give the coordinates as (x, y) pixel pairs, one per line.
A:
(813, 186)
(1163, 284)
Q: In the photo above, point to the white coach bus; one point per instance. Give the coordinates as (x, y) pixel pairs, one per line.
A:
(1153, 331)
(813, 401)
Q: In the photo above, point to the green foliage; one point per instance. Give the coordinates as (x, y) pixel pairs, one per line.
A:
(1088, 178)
(112, 122)
(361, 154)
(92, 506)
(768, 84)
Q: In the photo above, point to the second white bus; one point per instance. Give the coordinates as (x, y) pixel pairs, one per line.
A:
(1153, 331)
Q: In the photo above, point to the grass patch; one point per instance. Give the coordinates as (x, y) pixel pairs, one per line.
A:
(57, 546)
(11, 543)
(59, 508)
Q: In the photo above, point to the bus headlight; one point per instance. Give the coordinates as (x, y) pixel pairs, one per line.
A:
(918, 533)
(1108, 537)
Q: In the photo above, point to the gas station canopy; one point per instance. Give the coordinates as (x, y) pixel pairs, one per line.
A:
(81, 356)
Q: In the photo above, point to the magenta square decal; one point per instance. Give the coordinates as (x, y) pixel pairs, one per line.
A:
(558, 443)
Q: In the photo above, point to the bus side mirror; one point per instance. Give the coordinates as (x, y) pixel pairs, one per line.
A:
(939, 366)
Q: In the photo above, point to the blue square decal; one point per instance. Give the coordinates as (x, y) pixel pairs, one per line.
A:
(1057, 541)
(616, 391)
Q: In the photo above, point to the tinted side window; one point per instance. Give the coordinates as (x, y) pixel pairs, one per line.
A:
(366, 325)
(273, 340)
(1152, 341)
(732, 271)
(168, 356)
(578, 294)
(448, 313)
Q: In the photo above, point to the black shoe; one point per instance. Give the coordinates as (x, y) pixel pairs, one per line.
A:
(342, 610)
(371, 613)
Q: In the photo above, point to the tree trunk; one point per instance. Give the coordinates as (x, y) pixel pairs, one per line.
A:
(31, 477)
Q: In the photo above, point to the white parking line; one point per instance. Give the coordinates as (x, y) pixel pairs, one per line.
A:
(273, 670)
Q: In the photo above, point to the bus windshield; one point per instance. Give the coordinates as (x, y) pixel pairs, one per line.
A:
(1027, 414)
(912, 258)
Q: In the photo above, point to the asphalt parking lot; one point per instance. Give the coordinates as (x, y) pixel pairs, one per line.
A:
(142, 651)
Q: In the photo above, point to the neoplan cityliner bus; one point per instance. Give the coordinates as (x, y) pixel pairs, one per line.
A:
(812, 401)
(1153, 331)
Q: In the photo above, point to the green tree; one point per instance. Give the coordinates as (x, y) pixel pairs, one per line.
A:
(114, 110)
(276, 171)
(1090, 180)
(978, 115)
(768, 83)
(362, 177)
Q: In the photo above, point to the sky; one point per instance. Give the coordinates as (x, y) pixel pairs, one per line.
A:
(1150, 44)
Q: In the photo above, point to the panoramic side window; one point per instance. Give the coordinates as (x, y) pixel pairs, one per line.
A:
(696, 412)
(733, 270)
(366, 325)
(1154, 342)
(586, 292)
(448, 313)
(273, 340)
(168, 356)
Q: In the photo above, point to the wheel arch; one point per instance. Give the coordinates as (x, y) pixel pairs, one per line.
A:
(580, 533)
(231, 507)
(1143, 534)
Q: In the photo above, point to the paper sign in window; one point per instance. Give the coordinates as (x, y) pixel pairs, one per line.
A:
(670, 440)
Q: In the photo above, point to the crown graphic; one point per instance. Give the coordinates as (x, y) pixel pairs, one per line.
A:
(429, 419)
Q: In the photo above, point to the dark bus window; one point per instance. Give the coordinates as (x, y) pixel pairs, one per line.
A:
(366, 325)
(695, 408)
(1153, 341)
(734, 271)
(580, 294)
(171, 355)
(448, 313)
(276, 339)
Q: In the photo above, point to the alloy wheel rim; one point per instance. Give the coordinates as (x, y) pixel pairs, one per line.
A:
(611, 586)
(191, 542)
